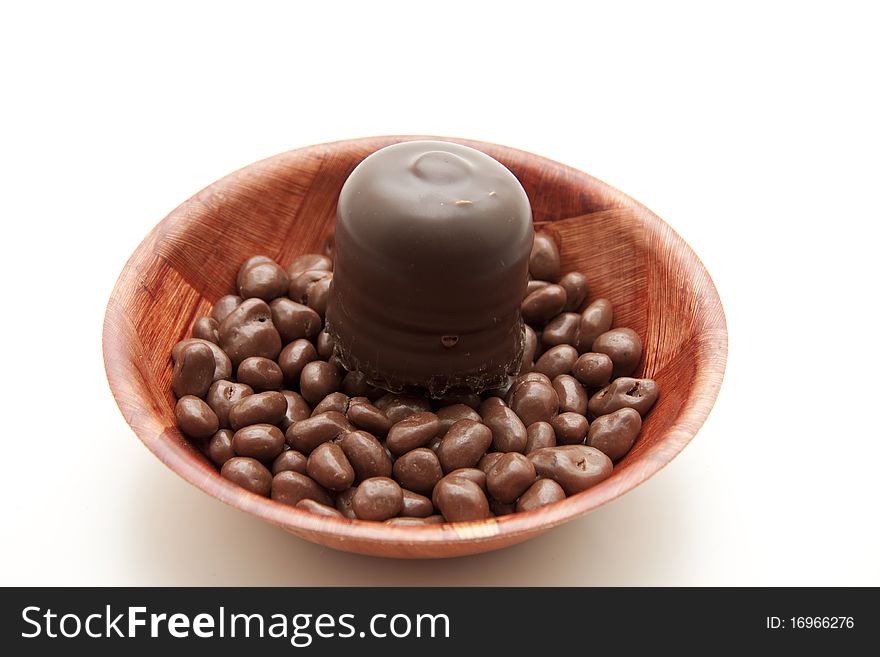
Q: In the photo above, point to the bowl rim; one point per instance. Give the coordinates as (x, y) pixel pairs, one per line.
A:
(690, 417)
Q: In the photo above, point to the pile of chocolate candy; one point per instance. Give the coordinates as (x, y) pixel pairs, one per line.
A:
(261, 392)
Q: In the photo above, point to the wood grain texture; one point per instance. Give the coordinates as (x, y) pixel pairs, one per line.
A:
(286, 205)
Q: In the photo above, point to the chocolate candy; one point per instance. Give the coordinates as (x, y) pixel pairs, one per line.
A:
(259, 441)
(432, 250)
(307, 434)
(220, 447)
(377, 498)
(290, 460)
(524, 378)
(313, 289)
(418, 470)
(461, 500)
(366, 455)
(364, 415)
(343, 503)
(248, 331)
(449, 415)
(317, 508)
(576, 288)
(530, 349)
(318, 295)
(562, 329)
(544, 259)
(248, 473)
(544, 304)
(293, 359)
(328, 466)
(325, 345)
(263, 408)
(625, 392)
(289, 487)
(416, 430)
(540, 434)
(222, 364)
(491, 458)
(492, 402)
(464, 444)
(574, 467)
(510, 477)
(195, 418)
(400, 406)
(533, 400)
(223, 395)
(508, 431)
(471, 474)
(461, 398)
(207, 328)
(500, 508)
(593, 370)
(193, 371)
(354, 384)
(297, 409)
(535, 284)
(310, 284)
(623, 346)
(294, 320)
(415, 505)
(556, 361)
(470, 399)
(571, 394)
(302, 283)
(260, 374)
(225, 305)
(570, 428)
(335, 401)
(541, 493)
(615, 433)
(309, 262)
(595, 320)
(318, 379)
(263, 278)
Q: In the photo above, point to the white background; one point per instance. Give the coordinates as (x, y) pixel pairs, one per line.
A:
(751, 130)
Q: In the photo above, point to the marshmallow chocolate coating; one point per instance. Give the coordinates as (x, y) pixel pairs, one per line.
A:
(432, 254)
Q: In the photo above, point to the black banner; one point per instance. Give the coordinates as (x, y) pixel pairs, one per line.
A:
(425, 621)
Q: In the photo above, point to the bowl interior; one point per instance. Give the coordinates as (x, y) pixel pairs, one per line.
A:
(285, 206)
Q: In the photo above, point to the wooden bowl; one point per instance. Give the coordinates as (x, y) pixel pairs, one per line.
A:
(286, 205)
